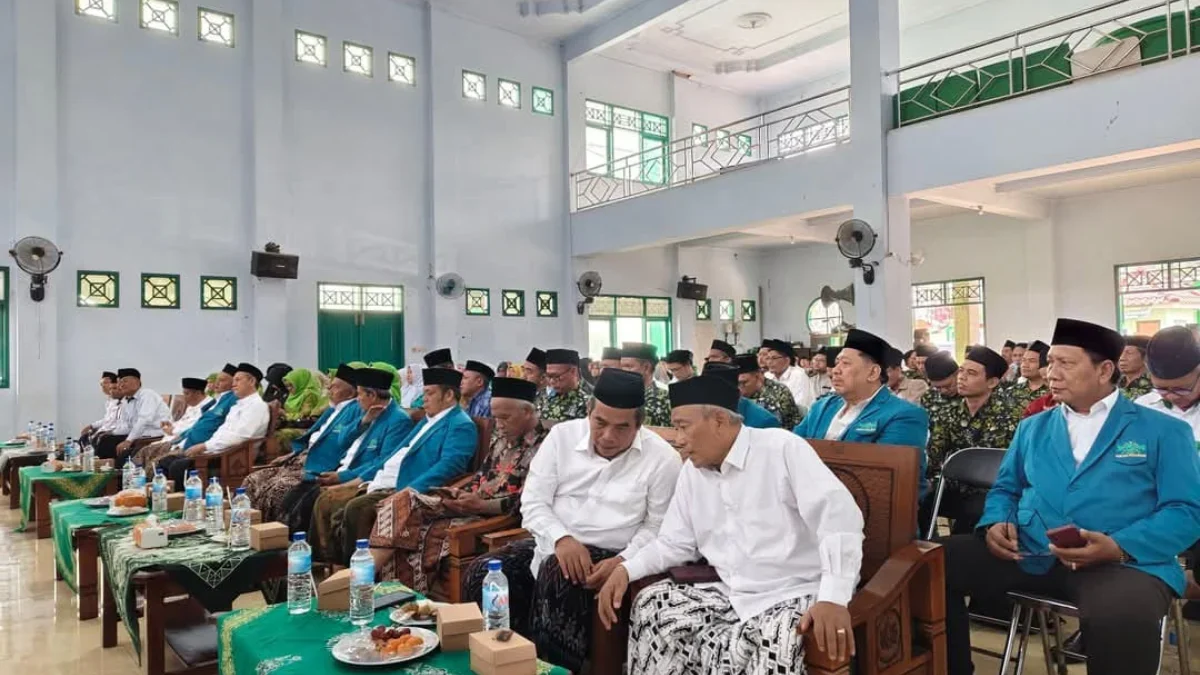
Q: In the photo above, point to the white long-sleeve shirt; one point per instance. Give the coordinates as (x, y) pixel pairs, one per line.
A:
(112, 412)
(614, 504)
(189, 417)
(142, 416)
(774, 521)
(247, 419)
(796, 380)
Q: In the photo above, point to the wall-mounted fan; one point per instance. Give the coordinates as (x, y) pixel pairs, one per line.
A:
(589, 284)
(450, 286)
(37, 257)
(855, 239)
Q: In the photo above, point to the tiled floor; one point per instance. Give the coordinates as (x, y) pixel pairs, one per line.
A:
(40, 632)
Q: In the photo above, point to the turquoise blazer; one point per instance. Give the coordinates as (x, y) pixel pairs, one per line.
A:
(441, 455)
(887, 420)
(380, 439)
(209, 422)
(1138, 484)
(755, 416)
(327, 452)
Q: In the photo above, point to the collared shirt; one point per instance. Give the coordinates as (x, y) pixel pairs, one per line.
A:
(560, 406)
(247, 419)
(337, 408)
(188, 418)
(481, 405)
(911, 389)
(502, 475)
(992, 426)
(778, 401)
(385, 478)
(1133, 389)
(1083, 428)
(658, 407)
(1191, 415)
(846, 416)
(616, 503)
(142, 416)
(774, 521)
(796, 380)
(819, 384)
(112, 412)
(1021, 395)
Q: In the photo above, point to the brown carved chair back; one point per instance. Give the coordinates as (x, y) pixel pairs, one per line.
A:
(483, 427)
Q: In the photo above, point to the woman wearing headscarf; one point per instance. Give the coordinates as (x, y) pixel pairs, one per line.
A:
(304, 401)
(212, 382)
(413, 387)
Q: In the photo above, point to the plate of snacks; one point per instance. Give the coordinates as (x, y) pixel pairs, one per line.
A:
(128, 503)
(98, 502)
(384, 646)
(180, 528)
(422, 613)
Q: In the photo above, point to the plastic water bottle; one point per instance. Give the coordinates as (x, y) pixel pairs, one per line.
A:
(239, 520)
(127, 475)
(193, 499)
(214, 507)
(299, 588)
(495, 598)
(71, 453)
(89, 459)
(362, 585)
(50, 436)
(31, 432)
(139, 477)
(158, 493)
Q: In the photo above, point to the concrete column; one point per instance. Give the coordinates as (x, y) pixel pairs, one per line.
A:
(885, 307)
(270, 205)
(33, 363)
(425, 338)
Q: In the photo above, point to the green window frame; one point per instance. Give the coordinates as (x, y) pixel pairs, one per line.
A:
(613, 319)
(218, 293)
(699, 134)
(478, 302)
(945, 307)
(542, 101)
(547, 304)
(98, 289)
(4, 336)
(749, 310)
(704, 310)
(160, 291)
(609, 127)
(745, 144)
(725, 310)
(512, 302)
(1158, 291)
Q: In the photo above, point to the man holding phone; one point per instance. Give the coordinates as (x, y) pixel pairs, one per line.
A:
(1122, 480)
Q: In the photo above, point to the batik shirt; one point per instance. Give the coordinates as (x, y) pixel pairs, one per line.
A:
(503, 472)
(658, 407)
(778, 401)
(992, 426)
(561, 407)
(1020, 395)
(935, 403)
(1137, 388)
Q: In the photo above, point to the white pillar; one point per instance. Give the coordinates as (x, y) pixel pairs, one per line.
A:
(270, 205)
(885, 307)
(34, 364)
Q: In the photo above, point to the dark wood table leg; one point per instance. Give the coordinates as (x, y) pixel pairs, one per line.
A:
(14, 494)
(110, 619)
(41, 499)
(87, 541)
(156, 620)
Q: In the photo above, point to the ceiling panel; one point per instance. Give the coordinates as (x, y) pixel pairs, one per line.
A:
(506, 15)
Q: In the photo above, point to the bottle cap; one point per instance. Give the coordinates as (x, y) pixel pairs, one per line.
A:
(362, 543)
(213, 479)
(493, 565)
(299, 536)
(239, 491)
(194, 472)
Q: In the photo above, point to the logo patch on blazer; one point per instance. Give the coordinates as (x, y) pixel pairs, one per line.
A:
(866, 428)
(372, 444)
(1131, 450)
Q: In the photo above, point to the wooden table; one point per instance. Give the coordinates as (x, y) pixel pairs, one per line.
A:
(41, 502)
(12, 486)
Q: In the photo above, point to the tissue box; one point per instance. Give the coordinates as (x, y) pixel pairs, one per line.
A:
(147, 535)
(490, 656)
(174, 501)
(333, 594)
(255, 516)
(455, 623)
(268, 536)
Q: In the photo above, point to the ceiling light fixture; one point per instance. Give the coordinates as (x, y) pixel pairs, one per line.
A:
(753, 20)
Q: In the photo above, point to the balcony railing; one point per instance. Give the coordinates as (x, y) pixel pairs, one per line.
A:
(1101, 39)
(812, 123)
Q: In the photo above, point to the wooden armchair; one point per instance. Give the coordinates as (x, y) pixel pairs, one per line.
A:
(233, 464)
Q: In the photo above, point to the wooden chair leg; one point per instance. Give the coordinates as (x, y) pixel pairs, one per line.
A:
(41, 497)
(87, 543)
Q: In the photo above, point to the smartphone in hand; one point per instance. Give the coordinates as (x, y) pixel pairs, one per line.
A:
(1067, 536)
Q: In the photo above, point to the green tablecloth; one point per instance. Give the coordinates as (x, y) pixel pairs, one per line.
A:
(64, 484)
(269, 641)
(69, 516)
(212, 573)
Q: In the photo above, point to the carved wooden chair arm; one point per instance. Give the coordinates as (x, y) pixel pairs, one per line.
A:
(467, 539)
(498, 540)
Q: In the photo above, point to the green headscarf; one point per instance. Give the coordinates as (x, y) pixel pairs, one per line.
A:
(306, 396)
(397, 379)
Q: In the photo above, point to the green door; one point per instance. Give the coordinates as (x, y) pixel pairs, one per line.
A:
(381, 338)
(337, 339)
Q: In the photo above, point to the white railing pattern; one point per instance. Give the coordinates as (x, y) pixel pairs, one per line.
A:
(814, 122)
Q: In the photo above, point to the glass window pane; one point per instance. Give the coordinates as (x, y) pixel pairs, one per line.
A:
(626, 144)
(160, 15)
(654, 125)
(597, 150)
(630, 307)
(339, 297)
(654, 162)
(215, 27)
(543, 101)
(604, 305)
(630, 329)
(658, 307)
(474, 86)
(598, 113)
(658, 333)
(387, 299)
(509, 94)
(310, 48)
(358, 59)
(700, 135)
(101, 9)
(402, 69)
(599, 337)
(624, 118)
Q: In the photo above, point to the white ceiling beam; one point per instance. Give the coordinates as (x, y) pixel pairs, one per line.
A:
(978, 196)
(826, 39)
(1101, 171)
(617, 28)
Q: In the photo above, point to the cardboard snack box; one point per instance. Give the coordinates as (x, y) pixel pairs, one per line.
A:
(489, 656)
(268, 536)
(333, 594)
(455, 623)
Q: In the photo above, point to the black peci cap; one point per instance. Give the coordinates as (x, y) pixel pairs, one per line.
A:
(705, 390)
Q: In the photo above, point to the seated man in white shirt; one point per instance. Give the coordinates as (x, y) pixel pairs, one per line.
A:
(779, 358)
(195, 399)
(142, 413)
(783, 536)
(595, 494)
(247, 419)
(112, 408)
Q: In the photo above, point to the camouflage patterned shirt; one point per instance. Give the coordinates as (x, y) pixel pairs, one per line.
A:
(562, 407)
(955, 428)
(1139, 387)
(778, 401)
(1020, 395)
(658, 407)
